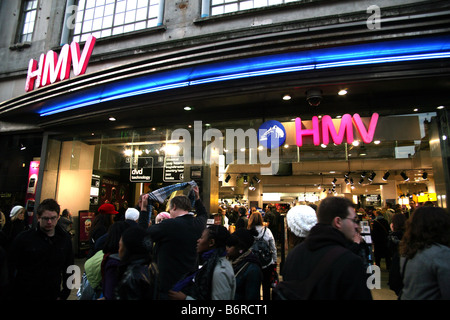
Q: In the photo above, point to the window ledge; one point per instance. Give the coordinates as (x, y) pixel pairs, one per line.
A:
(20, 46)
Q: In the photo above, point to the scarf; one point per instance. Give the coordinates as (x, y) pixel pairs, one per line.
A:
(162, 194)
(199, 283)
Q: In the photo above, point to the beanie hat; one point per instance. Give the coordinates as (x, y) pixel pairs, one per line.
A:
(15, 210)
(161, 216)
(300, 219)
(131, 214)
(107, 208)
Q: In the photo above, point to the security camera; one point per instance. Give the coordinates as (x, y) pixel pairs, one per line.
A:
(314, 97)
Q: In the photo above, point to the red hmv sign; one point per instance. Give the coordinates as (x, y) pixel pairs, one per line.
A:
(52, 68)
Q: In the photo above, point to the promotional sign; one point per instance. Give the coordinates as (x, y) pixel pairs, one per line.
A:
(173, 169)
(143, 170)
(85, 218)
(33, 174)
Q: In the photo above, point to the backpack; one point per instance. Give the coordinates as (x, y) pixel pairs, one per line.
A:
(262, 250)
(302, 289)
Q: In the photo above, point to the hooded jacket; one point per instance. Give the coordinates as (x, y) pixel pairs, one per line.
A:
(347, 279)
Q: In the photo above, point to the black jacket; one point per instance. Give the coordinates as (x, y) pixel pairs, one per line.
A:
(137, 282)
(176, 246)
(347, 279)
(38, 265)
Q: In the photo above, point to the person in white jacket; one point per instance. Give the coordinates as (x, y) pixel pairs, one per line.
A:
(256, 221)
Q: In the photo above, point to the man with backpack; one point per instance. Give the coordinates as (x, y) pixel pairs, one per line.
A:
(322, 267)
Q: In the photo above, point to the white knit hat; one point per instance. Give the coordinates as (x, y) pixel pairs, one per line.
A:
(132, 214)
(15, 210)
(300, 219)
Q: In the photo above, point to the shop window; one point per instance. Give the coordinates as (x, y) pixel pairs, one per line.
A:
(227, 6)
(27, 22)
(104, 18)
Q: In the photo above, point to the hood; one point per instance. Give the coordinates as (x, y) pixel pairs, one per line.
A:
(322, 235)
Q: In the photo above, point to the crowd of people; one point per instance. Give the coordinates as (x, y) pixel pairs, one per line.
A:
(177, 255)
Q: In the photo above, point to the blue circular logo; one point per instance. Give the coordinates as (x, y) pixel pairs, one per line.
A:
(271, 134)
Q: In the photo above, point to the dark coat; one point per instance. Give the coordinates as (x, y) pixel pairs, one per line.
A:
(136, 282)
(176, 246)
(249, 276)
(39, 264)
(348, 277)
(380, 233)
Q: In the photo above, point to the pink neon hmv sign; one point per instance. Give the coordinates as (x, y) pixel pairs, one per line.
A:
(52, 68)
(326, 128)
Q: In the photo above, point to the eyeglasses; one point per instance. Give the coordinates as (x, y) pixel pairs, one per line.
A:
(46, 219)
(355, 220)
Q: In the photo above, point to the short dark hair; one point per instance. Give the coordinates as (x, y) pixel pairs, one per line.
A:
(332, 207)
(242, 211)
(48, 204)
(219, 233)
(181, 202)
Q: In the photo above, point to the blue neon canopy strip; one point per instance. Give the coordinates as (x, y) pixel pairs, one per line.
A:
(355, 55)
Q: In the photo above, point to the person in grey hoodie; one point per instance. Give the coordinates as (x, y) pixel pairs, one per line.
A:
(425, 251)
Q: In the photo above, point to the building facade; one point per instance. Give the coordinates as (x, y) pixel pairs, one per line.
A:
(257, 100)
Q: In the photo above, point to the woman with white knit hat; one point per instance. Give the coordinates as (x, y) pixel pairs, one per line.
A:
(300, 219)
(16, 223)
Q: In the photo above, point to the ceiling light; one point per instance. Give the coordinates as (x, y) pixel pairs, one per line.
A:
(187, 108)
(425, 175)
(22, 147)
(342, 92)
(334, 181)
(386, 176)
(377, 142)
(257, 180)
(440, 107)
(363, 174)
(227, 178)
(245, 179)
(355, 143)
(286, 97)
(404, 176)
(372, 176)
(361, 180)
(415, 110)
(112, 119)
